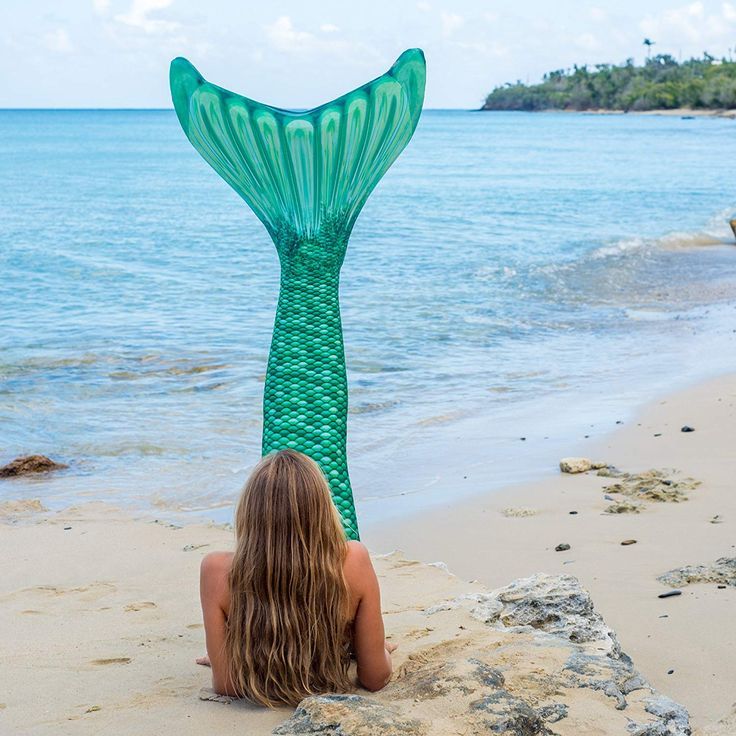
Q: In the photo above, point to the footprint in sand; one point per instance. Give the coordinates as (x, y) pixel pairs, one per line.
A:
(112, 660)
(140, 606)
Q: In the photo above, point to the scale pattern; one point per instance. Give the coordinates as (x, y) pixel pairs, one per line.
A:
(306, 175)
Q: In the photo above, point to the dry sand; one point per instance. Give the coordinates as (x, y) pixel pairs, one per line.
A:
(101, 621)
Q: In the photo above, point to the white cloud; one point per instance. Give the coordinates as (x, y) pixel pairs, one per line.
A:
(284, 37)
(424, 7)
(138, 17)
(59, 41)
(691, 24)
(587, 41)
(329, 28)
(598, 14)
(101, 6)
(451, 22)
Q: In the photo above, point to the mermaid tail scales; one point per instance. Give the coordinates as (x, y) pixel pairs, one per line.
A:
(306, 175)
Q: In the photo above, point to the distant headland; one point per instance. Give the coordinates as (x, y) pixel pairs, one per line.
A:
(660, 84)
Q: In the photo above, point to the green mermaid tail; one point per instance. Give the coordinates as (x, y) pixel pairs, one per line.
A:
(306, 175)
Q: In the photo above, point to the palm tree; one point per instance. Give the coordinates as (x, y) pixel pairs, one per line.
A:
(648, 43)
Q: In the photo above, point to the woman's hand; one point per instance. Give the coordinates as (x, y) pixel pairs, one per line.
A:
(205, 661)
(390, 648)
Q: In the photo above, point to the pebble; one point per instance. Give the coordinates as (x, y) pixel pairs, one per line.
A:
(657, 434)
(687, 428)
(722, 587)
(563, 547)
(67, 528)
(669, 672)
(670, 594)
(572, 513)
(665, 615)
(627, 542)
(523, 439)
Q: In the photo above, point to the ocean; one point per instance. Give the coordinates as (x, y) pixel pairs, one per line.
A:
(513, 275)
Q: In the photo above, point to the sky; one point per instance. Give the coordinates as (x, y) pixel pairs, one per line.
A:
(115, 53)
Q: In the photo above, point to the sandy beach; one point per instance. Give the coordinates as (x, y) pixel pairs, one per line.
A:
(102, 618)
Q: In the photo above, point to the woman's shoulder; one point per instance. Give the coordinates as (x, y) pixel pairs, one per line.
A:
(358, 566)
(215, 568)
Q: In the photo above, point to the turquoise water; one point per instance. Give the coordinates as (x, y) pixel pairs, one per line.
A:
(513, 275)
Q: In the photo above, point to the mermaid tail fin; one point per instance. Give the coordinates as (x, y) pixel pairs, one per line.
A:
(303, 171)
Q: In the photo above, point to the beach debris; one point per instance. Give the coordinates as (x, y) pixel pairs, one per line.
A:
(67, 528)
(192, 547)
(518, 512)
(93, 709)
(29, 465)
(623, 507)
(628, 542)
(576, 465)
(687, 428)
(670, 594)
(653, 485)
(572, 513)
(717, 519)
(562, 547)
(722, 571)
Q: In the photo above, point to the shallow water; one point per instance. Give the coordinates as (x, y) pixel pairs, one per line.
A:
(512, 275)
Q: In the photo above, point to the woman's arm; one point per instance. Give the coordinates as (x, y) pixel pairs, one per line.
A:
(371, 648)
(214, 596)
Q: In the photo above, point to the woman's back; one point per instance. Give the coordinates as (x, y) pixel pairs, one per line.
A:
(279, 611)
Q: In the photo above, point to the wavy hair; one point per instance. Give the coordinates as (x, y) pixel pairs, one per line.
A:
(287, 629)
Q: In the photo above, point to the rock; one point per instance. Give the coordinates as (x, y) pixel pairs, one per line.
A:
(557, 604)
(579, 465)
(732, 223)
(28, 465)
(652, 485)
(10, 509)
(623, 507)
(672, 719)
(348, 715)
(722, 571)
(628, 542)
(505, 713)
(687, 428)
(670, 594)
(562, 547)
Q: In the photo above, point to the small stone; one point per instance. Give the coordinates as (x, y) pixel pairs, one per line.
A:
(523, 439)
(93, 709)
(572, 513)
(669, 672)
(29, 465)
(627, 542)
(657, 434)
(687, 428)
(67, 528)
(722, 587)
(670, 594)
(562, 547)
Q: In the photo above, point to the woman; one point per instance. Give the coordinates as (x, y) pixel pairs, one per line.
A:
(282, 613)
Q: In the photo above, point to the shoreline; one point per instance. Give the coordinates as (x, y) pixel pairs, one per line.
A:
(109, 601)
(477, 541)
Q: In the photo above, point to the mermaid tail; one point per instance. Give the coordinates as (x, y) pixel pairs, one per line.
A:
(306, 175)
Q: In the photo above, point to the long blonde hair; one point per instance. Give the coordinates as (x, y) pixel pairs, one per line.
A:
(287, 629)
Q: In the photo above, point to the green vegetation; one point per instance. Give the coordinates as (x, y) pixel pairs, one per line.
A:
(660, 84)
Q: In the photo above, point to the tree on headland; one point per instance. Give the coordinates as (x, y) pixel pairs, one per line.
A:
(660, 83)
(648, 43)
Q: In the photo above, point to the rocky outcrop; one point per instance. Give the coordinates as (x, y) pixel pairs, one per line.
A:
(722, 572)
(652, 485)
(347, 715)
(514, 661)
(29, 465)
